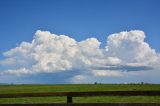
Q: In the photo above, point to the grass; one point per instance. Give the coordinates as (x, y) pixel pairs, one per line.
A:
(77, 88)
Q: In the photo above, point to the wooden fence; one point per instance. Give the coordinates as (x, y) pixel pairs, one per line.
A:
(69, 96)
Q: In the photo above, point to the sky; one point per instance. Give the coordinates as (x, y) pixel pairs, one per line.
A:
(79, 41)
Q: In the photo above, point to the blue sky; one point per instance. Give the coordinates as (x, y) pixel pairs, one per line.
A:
(78, 19)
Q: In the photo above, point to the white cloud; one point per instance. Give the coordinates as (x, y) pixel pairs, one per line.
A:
(51, 53)
(79, 77)
(106, 73)
(7, 61)
(21, 71)
(131, 48)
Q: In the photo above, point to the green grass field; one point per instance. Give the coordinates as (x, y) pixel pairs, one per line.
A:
(77, 88)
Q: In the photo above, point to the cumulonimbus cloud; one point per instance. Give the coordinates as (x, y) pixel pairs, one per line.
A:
(51, 53)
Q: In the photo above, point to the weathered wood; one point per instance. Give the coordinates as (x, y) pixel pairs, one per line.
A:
(86, 104)
(83, 94)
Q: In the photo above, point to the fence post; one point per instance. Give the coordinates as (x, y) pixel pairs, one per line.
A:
(69, 99)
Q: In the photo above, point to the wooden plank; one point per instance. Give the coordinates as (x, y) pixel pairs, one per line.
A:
(17, 95)
(47, 104)
(83, 94)
(115, 93)
(86, 104)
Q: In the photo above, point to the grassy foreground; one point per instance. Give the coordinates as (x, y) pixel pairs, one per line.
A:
(77, 88)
